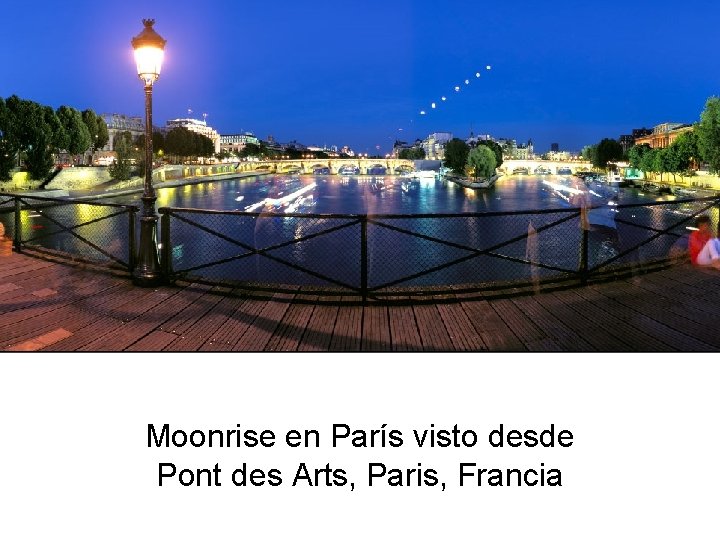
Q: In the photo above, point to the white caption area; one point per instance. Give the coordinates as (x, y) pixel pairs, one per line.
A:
(77, 463)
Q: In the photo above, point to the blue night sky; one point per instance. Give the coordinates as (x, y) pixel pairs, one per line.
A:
(358, 72)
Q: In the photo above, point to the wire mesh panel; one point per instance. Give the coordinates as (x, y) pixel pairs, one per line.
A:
(384, 254)
(644, 233)
(475, 248)
(262, 249)
(7, 215)
(90, 232)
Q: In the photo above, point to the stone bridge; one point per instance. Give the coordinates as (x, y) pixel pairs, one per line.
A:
(532, 165)
(334, 166)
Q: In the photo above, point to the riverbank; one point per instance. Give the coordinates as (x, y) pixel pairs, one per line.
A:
(133, 186)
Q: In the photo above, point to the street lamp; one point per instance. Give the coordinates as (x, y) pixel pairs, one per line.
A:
(149, 48)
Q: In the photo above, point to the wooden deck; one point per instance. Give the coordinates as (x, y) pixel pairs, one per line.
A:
(46, 306)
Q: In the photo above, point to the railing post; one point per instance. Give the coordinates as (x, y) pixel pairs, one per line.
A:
(17, 234)
(363, 258)
(166, 250)
(584, 257)
(132, 247)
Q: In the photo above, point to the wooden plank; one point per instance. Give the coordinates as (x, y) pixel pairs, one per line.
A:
(195, 336)
(289, 333)
(587, 328)
(673, 329)
(263, 327)
(88, 333)
(320, 327)
(553, 327)
(625, 322)
(122, 337)
(183, 320)
(348, 328)
(157, 340)
(460, 328)
(44, 340)
(376, 329)
(522, 325)
(490, 327)
(404, 333)
(432, 331)
(225, 338)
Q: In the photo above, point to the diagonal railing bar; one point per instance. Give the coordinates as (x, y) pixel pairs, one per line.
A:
(256, 251)
(264, 253)
(468, 248)
(479, 253)
(660, 233)
(641, 244)
(74, 227)
(81, 238)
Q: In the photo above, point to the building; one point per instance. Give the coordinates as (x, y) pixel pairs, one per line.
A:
(664, 135)
(118, 123)
(554, 147)
(434, 144)
(197, 126)
(626, 141)
(235, 143)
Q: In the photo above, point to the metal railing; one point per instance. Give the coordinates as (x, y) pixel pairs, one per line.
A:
(87, 231)
(377, 257)
(365, 256)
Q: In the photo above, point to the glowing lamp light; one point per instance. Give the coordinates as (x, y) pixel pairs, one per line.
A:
(488, 68)
(444, 98)
(422, 112)
(467, 81)
(149, 52)
(477, 74)
(433, 105)
(457, 88)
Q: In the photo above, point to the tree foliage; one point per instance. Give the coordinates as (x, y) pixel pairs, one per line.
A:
(636, 153)
(708, 134)
(8, 148)
(120, 170)
(607, 150)
(411, 153)
(589, 153)
(482, 160)
(77, 132)
(102, 133)
(456, 154)
(497, 150)
(184, 143)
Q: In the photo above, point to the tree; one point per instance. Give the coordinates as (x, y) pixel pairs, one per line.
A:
(636, 153)
(120, 169)
(482, 160)
(607, 150)
(456, 154)
(648, 161)
(77, 132)
(708, 134)
(8, 147)
(686, 147)
(31, 134)
(497, 150)
(89, 118)
(412, 153)
(589, 153)
(102, 133)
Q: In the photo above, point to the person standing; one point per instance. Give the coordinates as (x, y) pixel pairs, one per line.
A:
(699, 237)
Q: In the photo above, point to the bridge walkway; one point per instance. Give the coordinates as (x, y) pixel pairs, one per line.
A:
(45, 306)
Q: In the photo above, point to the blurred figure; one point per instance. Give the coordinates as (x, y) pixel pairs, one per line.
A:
(710, 253)
(699, 238)
(5, 243)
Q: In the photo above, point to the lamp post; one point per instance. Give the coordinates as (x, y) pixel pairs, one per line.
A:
(149, 48)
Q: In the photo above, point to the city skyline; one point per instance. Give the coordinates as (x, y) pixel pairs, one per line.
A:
(337, 74)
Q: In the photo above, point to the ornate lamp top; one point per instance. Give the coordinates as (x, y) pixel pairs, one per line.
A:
(148, 37)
